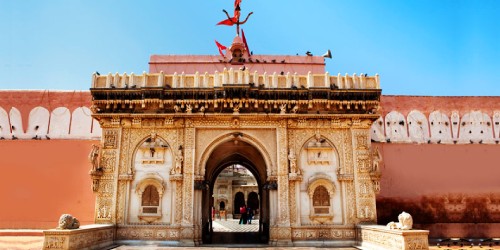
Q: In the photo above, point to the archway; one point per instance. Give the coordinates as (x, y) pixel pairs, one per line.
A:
(230, 153)
(253, 203)
(239, 200)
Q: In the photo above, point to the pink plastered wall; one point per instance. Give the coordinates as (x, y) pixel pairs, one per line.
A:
(190, 64)
(42, 179)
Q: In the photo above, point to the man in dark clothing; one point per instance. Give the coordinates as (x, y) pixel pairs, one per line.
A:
(250, 215)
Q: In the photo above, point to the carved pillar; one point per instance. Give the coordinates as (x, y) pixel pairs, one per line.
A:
(294, 179)
(177, 216)
(107, 188)
(125, 176)
(283, 232)
(187, 230)
(365, 195)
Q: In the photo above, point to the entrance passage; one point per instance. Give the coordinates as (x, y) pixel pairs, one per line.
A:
(236, 204)
(235, 185)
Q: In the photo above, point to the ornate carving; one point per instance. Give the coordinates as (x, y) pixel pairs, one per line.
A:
(94, 157)
(120, 197)
(280, 142)
(293, 203)
(148, 232)
(178, 202)
(110, 138)
(55, 242)
(177, 169)
(380, 237)
(108, 161)
(293, 162)
(104, 210)
(351, 203)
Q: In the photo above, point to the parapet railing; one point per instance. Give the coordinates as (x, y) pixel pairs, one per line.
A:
(218, 79)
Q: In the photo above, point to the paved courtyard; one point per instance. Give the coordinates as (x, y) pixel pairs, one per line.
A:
(231, 225)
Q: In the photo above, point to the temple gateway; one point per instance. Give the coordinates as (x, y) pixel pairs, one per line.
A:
(303, 135)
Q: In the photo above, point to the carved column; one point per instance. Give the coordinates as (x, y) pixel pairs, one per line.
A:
(345, 171)
(283, 233)
(365, 195)
(107, 189)
(125, 175)
(294, 180)
(187, 230)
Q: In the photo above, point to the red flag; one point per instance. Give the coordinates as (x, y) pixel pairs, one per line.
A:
(221, 48)
(236, 3)
(245, 42)
(229, 22)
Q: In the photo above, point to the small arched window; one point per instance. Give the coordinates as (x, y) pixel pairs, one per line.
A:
(150, 200)
(321, 200)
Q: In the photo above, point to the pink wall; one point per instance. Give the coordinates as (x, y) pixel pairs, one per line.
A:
(190, 64)
(42, 179)
(446, 104)
(412, 170)
(446, 188)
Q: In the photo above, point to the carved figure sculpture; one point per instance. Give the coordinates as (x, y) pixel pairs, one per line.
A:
(67, 221)
(405, 222)
(177, 109)
(94, 157)
(377, 158)
(178, 162)
(189, 109)
(283, 109)
(293, 161)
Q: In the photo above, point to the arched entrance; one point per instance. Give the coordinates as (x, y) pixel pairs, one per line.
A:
(226, 154)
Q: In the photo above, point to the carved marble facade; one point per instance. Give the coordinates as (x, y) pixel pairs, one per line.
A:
(312, 160)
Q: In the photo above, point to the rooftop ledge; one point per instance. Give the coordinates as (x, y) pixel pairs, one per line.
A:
(238, 76)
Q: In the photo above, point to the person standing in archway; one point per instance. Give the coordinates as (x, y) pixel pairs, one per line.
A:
(250, 215)
(243, 213)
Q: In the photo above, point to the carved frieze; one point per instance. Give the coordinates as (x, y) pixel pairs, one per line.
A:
(108, 161)
(148, 233)
(110, 138)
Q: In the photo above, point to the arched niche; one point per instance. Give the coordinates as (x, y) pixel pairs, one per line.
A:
(321, 191)
(59, 123)
(4, 125)
(377, 130)
(418, 127)
(316, 173)
(440, 127)
(395, 127)
(81, 123)
(150, 163)
(16, 124)
(38, 123)
(151, 151)
(318, 154)
(153, 186)
(476, 127)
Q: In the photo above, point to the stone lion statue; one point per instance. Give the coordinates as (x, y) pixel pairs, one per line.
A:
(67, 221)
(405, 222)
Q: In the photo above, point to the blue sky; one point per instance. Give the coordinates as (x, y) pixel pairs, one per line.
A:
(419, 47)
